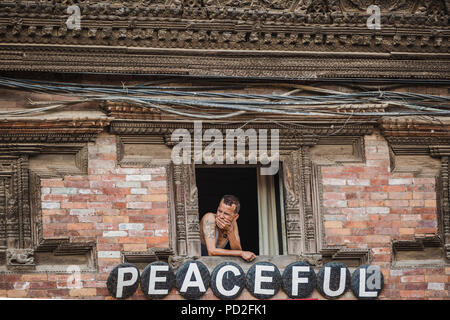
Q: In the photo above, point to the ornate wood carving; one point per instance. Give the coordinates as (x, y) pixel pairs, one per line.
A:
(21, 230)
(119, 110)
(57, 246)
(309, 219)
(6, 200)
(186, 210)
(15, 220)
(60, 136)
(17, 214)
(81, 159)
(407, 130)
(192, 214)
(241, 64)
(5, 184)
(420, 137)
(149, 256)
(444, 205)
(440, 151)
(37, 229)
(180, 214)
(419, 243)
(292, 202)
(215, 24)
(228, 38)
(418, 253)
(300, 177)
(290, 139)
(20, 259)
(349, 256)
(317, 207)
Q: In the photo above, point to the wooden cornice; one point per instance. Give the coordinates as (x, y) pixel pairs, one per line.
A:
(227, 38)
(416, 127)
(221, 63)
(417, 136)
(305, 133)
(129, 111)
(440, 151)
(51, 130)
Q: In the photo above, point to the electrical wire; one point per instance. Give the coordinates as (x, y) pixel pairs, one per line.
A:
(175, 100)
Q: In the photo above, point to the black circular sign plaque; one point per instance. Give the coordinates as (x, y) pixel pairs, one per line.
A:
(367, 282)
(157, 280)
(263, 280)
(192, 279)
(123, 281)
(299, 280)
(227, 281)
(333, 280)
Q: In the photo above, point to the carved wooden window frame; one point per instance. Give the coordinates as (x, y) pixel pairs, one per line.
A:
(21, 222)
(15, 222)
(436, 147)
(301, 179)
(18, 146)
(58, 246)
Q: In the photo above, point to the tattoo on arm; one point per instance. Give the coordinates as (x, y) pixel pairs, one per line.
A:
(210, 229)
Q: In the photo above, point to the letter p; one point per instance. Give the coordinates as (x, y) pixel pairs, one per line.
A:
(121, 282)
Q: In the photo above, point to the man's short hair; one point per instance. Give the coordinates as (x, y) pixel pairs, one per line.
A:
(229, 200)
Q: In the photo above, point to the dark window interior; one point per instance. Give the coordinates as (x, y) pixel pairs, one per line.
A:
(213, 183)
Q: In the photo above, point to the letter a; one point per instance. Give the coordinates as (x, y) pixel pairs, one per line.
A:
(362, 286)
(374, 21)
(197, 282)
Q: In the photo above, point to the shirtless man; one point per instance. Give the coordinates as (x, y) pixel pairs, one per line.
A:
(217, 229)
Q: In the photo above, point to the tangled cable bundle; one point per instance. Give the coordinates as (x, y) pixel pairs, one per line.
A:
(197, 101)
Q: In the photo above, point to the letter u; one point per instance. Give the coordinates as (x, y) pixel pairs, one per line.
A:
(326, 282)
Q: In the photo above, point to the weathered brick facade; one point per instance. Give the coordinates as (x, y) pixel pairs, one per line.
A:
(126, 210)
(122, 208)
(87, 112)
(367, 206)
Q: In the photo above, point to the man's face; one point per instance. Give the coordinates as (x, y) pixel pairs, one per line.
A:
(226, 212)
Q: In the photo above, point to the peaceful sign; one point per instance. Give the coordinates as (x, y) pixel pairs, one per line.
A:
(263, 280)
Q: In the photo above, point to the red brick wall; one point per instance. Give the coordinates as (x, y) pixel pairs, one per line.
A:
(365, 206)
(118, 208)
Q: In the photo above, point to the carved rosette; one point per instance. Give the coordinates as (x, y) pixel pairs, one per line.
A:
(17, 258)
